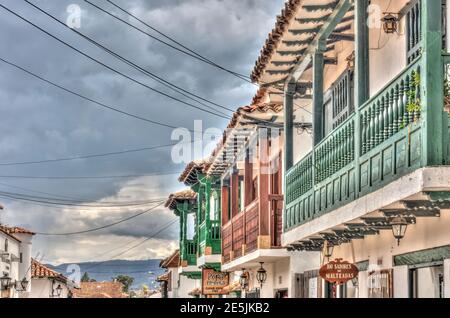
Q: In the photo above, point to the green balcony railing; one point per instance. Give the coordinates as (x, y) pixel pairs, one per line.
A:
(189, 252)
(379, 143)
(210, 236)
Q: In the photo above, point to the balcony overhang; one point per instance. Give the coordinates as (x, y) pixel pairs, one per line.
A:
(252, 259)
(413, 196)
(302, 28)
(204, 260)
(188, 270)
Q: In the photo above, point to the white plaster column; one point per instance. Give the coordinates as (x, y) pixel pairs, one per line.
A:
(267, 290)
(362, 285)
(447, 278)
(401, 284)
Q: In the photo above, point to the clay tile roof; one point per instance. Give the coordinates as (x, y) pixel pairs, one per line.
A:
(184, 195)
(163, 278)
(189, 175)
(171, 261)
(38, 270)
(274, 38)
(15, 230)
(100, 290)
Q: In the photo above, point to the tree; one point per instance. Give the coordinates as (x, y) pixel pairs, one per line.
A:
(86, 279)
(126, 281)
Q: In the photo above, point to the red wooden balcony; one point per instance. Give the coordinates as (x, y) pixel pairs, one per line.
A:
(242, 235)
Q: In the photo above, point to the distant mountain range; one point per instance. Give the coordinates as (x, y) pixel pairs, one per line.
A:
(143, 272)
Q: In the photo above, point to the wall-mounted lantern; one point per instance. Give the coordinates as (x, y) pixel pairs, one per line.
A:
(328, 249)
(22, 285)
(390, 23)
(5, 282)
(261, 275)
(399, 226)
(243, 279)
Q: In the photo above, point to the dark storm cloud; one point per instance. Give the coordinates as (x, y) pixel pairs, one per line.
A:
(40, 122)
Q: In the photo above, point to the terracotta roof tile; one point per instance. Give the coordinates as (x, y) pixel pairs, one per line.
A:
(15, 230)
(274, 38)
(184, 195)
(171, 261)
(100, 290)
(38, 270)
(189, 175)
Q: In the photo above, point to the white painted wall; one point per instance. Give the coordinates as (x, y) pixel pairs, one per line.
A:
(447, 278)
(401, 284)
(42, 288)
(187, 285)
(11, 268)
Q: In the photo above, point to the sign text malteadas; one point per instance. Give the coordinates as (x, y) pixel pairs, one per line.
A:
(338, 272)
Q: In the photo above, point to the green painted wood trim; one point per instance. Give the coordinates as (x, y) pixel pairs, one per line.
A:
(362, 266)
(318, 67)
(432, 79)
(193, 275)
(438, 254)
(338, 14)
(361, 53)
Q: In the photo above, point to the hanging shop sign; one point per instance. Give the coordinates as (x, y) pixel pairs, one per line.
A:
(214, 282)
(338, 272)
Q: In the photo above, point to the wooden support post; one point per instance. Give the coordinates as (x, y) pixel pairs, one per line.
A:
(248, 179)
(207, 211)
(234, 194)
(432, 79)
(362, 83)
(318, 65)
(289, 126)
(362, 78)
(263, 190)
(225, 196)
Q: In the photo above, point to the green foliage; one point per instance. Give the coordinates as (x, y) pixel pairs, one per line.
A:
(86, 279)
(413, 105)
(127, 281)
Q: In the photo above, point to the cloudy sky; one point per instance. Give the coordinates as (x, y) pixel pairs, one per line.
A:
(41, 122)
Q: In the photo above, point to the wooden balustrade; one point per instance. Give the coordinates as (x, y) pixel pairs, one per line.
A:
(382, 141)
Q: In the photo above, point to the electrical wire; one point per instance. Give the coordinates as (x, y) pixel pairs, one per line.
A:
(62, 202)
(153, 76)
(242, 77)
(178, 43)
(109, 67)
(87, 177)
(101, 227)
(150, 237)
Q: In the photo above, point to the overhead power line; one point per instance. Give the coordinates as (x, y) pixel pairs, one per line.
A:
(109, 67)
(114, 153)
(87, 177)
(188, 52)
(203, 58)
(150, 235)
(56, 201)
(146, 72)
(101, 227)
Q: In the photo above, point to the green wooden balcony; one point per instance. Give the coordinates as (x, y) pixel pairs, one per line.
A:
(209, 236)
(383, 141)
(188, 252)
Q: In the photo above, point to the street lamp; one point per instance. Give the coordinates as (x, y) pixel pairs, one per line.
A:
(399, 226)
(261, 275)
(328, 249)
(22, 285)
(5, 282)
(390, 23)
(58, 290)
(243, 279)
